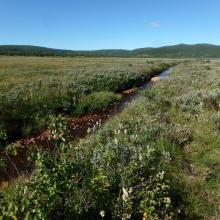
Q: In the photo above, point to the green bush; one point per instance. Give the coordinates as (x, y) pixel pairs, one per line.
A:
(191, 102)
(216, 120)
(212, 99)
(179, 134)
(97, 102)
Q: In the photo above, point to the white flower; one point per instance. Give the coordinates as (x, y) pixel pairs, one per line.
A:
(116, 141)
(140, 157)
(149, 151)
(167, 156)
(89, 130)
(126, 216)
(160, 175)
(130, 191)
(125, 194)
(167, 200)
(102, 213)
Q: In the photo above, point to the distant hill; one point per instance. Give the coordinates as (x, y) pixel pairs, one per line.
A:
(182, 51)
(175, 51)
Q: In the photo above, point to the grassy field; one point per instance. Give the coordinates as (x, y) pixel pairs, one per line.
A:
(159, 159)
(32, 88)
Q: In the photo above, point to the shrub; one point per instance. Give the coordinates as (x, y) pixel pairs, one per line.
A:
(216, 120)
(97, 102)
(191, 101)
(58, 129)
(212, 99)
(13, 148)
(179, 134)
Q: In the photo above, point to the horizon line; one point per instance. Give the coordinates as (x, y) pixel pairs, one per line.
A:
(150, 47)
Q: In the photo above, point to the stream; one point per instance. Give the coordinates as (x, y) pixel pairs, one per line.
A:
(163, 75)
(82, 124)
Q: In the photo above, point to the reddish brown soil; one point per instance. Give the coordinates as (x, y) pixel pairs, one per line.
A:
(129, 91)
(78, 128)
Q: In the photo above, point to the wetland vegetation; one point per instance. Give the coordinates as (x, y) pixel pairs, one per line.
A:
(158, 159)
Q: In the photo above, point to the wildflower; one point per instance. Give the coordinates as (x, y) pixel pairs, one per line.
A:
(102, 213)
(167, 156)
(130, 191)
(160, 175)
(125, 194)
(149, 151)
(126, 216)
(89, 130)
(116, 141)
(140, 157)
(167, 201)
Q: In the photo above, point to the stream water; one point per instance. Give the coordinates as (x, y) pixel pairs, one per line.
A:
(163, 75)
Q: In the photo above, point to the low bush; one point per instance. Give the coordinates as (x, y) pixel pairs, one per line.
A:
(96, 102)
(216, 120)
(190, 102)
(212, 99)
(179, 134)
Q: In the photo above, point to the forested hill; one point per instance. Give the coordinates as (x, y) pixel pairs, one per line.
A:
(175, 51)
(182, 51)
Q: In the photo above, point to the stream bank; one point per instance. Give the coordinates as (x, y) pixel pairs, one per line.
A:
(78, 127)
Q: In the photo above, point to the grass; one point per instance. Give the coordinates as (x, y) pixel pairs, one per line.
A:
(159, 158)
(96, 102)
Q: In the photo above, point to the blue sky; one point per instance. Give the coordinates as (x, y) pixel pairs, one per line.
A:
(98, 24)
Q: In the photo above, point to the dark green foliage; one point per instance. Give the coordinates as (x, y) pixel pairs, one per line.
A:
(3, 138)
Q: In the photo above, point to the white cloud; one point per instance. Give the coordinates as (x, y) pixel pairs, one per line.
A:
(154, 24)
